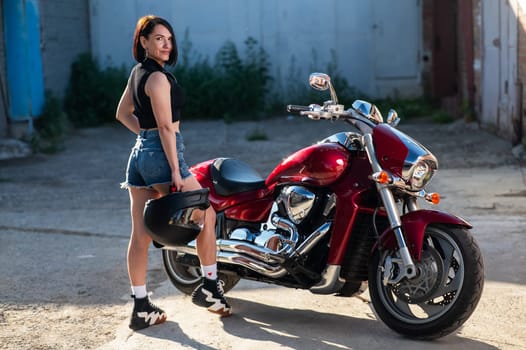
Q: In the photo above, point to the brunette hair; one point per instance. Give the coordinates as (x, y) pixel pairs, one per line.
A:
(144, 28)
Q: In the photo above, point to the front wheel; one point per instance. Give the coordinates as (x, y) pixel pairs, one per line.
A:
(444, 293)
(186, 277)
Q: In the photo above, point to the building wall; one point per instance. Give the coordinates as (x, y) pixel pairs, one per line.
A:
(499, 66)
(521, 126)
(477, 56)
(427, 45)
(3, 79)
(299, 36)
(64, 35)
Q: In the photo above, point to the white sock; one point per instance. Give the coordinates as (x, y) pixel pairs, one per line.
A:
(209, 271)
(139, 291)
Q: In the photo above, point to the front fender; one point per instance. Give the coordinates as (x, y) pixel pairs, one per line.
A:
(413, 226)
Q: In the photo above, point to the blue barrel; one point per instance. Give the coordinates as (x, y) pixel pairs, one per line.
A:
(25, 79)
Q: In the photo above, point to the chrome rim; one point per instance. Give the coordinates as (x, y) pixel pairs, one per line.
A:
(181, 273)
(435, 289)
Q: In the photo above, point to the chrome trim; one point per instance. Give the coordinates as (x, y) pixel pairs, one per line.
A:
(240, 247)
(392, 118)
(252, 264)
(286, 225)
(298, 202)
(417, 156)
(391, 209)
(313, 239)
(330, 205)
(259, 259)
(412, 204)
(322, 81)
(385, 192)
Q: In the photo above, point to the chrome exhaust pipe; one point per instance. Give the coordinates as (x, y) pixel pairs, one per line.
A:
(286, 225)
(313, 239)
(256, 258)
(231, 246)
(252, 264)
(261, 253)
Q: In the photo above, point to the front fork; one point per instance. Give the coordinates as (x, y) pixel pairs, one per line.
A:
(405, 263)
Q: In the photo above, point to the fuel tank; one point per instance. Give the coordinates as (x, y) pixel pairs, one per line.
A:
(252, 206)
(318, 165)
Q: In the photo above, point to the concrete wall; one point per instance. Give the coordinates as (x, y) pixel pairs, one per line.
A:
(64, 35)
(520, 123)
(298, 35)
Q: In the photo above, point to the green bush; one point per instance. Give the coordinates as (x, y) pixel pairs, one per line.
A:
(51, 126)
(232, 88)
(297, 90)
(442, 117)
(93, 93)
(408, 108)
(256, 135)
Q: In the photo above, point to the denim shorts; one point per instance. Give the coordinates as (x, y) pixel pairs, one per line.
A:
(148, 165)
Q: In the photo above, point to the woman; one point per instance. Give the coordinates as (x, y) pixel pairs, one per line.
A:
(150, 107)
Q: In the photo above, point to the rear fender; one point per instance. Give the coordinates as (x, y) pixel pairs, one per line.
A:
(413, 226)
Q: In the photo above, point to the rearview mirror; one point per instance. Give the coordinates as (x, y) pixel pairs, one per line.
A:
(319, 81)
(322, 82)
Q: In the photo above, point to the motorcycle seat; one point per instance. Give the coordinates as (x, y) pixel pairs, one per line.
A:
(231, 176)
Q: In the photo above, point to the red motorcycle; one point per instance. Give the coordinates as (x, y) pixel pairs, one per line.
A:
(340, 216)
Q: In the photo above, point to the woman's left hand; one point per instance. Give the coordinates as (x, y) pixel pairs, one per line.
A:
(177, 181)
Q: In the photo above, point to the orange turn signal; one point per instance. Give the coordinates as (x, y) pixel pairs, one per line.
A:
(382, 177)
(433, 198)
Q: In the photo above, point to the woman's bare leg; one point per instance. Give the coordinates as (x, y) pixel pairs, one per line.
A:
(206, 241)
(140, 239)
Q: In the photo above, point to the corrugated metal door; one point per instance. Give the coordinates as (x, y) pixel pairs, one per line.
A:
(499, 68)
(24, 63)
(397, 42)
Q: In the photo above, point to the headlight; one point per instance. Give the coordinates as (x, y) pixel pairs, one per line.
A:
(417, 174)
(419, 164)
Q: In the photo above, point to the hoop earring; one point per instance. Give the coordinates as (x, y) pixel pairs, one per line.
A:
(145, 55)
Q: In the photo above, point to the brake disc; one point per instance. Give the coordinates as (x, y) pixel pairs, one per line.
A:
(430, 272)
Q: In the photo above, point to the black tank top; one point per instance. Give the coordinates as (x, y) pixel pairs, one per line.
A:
(142, 103)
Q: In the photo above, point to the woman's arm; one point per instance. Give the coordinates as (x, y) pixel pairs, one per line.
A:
(125, 111)
(158, 89)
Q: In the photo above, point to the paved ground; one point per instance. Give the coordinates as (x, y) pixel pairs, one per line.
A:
(64, 227)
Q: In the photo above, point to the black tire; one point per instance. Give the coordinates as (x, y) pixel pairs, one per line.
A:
(444, 294)
(186, 278)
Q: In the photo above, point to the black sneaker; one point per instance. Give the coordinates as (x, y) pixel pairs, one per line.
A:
(210, 294)
(145, 314)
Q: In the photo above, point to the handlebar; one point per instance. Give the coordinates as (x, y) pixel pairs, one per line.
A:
(297, 108)
(332, 112)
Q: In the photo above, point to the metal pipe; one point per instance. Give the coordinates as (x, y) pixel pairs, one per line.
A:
(251, 264)
(391, 210)
(259, 259)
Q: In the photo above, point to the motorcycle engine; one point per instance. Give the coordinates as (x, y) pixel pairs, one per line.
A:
(294, 203)
(297, 201)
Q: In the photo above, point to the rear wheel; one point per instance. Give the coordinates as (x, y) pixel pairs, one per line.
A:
(186, 278)
(444, 293)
